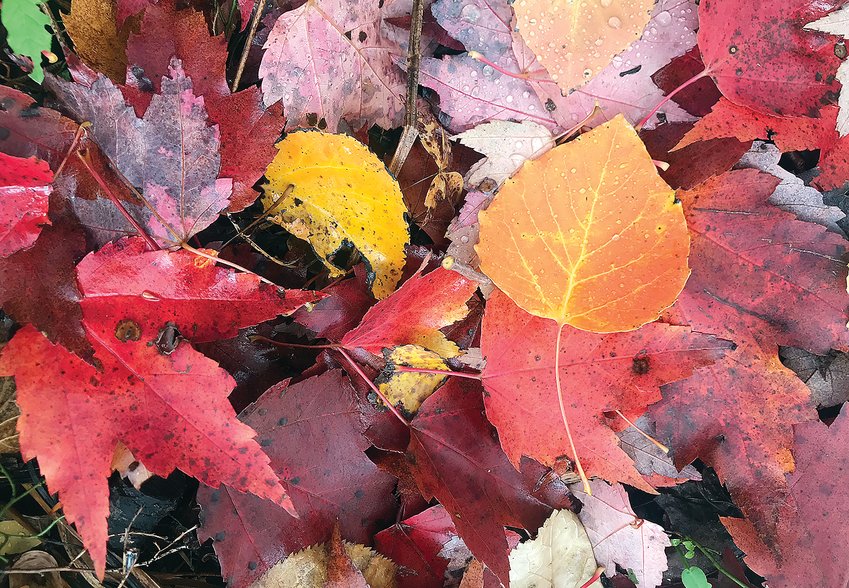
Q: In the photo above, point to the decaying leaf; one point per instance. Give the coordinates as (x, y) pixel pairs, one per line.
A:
(407, 389)
(560, 557)
(588, 234)
(331, 190)
(98, 40)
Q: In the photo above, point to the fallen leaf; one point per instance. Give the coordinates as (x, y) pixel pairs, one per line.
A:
(792, 195)
(740, 414)
(796, 133)
(153, 153)
(341, 192)
(601, 374)
(450, 434)
(98, 40)
(827, 377)
(446, 185)
(414, 314)
(506, 145)
(620, 537)
(596, 32)
(344, 307)
(559, 557)
(25, 186)
(316, 421)
(807, 550)
(764, 59)
(421, 546)
(692, 165)
(699, 96)
(746, 266)
(333, 59)
(335, 565)
(653, 463)
(464, 230)
(247, 131)
(148, 374)
(408, 390)
(835, 23)
(586, 258)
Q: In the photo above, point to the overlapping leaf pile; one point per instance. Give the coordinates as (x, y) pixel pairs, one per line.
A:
(576, 290)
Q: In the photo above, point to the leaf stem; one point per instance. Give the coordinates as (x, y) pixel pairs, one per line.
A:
(598, 572)
(250, 39)
(374, 388)
(477, 56)
(200, 253)
(669, 96)
(402, 368)
(657, 443)
(584, 480)
(142, 233)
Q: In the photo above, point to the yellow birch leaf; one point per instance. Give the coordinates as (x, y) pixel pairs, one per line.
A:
(340, 193)
(588, 235)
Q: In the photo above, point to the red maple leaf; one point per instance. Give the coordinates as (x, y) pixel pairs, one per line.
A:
(808, 550)
(762, 57)
(602, 374)
(449, 435)
(143, 384)
(313, 433)
(24, 197)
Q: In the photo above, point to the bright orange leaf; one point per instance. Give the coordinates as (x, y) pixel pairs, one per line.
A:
(588, 234)
(575, 40)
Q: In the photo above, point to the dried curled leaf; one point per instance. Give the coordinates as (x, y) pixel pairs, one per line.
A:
(340, 193)
(588, 234)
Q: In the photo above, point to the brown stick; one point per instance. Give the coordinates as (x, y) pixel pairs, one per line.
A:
(411, 119)
(260, 7)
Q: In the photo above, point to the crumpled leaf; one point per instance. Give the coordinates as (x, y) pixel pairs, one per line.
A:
(320, 416)
(619, 536)
(340, 193)
(464, 230)
(764, 59)
(336, 564)
(581, 255)
(506, 145)
(792, 194)
(171, 154)
(576, 41)
(408, 390)
(333, 59)
(25, 186)
(807, 550)
(560, 557)
(414, 314)
(27, 34)
(601, 374)
(446, 184)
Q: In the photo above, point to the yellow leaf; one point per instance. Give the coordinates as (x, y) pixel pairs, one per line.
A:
(575, 39)
(409, 389)
(588, 235)
(340, 192)
(92, 26)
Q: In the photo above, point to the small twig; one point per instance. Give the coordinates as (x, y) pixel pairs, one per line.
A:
(374, 388)
(251, 34)
(411, 118)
